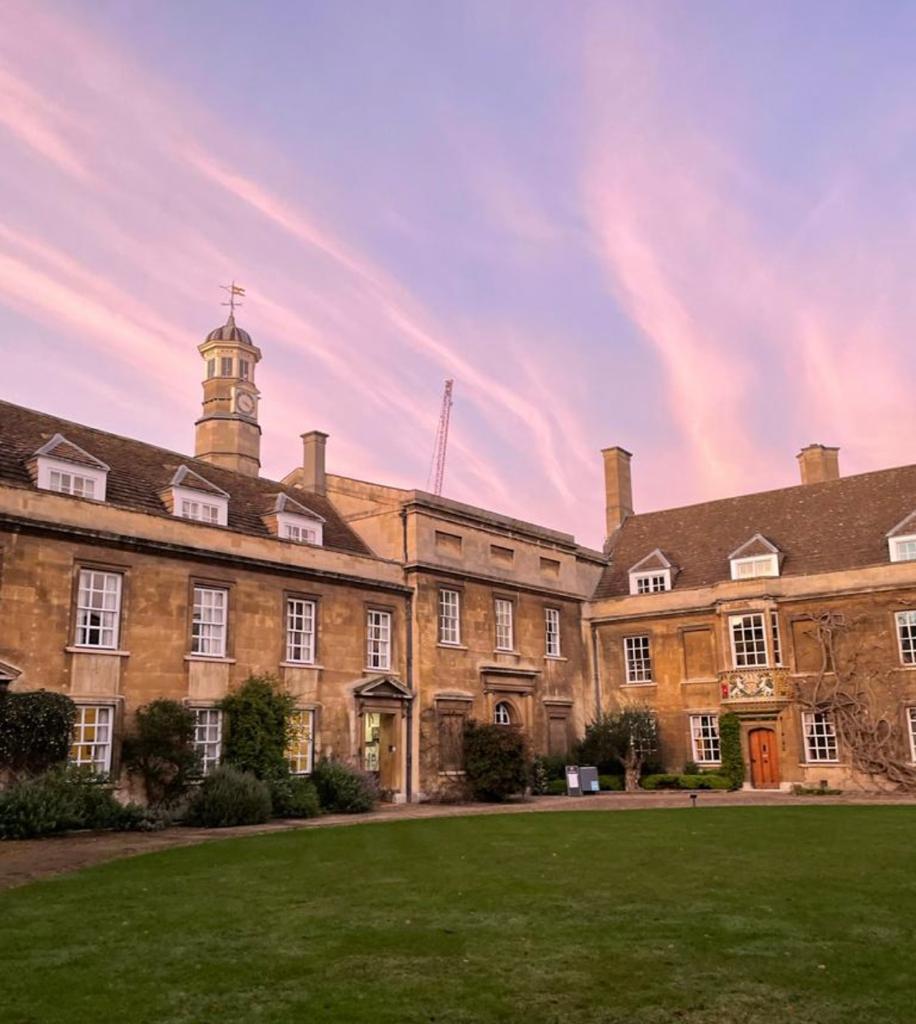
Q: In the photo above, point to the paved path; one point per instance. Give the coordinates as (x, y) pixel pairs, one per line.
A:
(28, 860)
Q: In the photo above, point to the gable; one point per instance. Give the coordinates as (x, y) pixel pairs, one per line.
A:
(655, 560)
(756, 546)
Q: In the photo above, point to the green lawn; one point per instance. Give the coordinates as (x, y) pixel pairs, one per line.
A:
(706, 916)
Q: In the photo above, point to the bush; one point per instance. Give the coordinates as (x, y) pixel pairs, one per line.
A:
(229, 797)
(294, 797)
(161, 751)
(495, 761)
(35, 731)
(343, 789)
(257, 716)
(730, 747)
(691, 768)
(674, 780)
(555, 765)
(62, 800)
(539, 777)
(613, 783)
(556, 787)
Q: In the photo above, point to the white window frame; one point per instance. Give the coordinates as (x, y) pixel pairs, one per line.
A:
(911, 723)
(775, 639)
(72, 472)
(504, 612)
(638, 659)
(819, 726)
(704, 738)
(655, 581)
(209, 621)
(906, 636)
(903, 549)
(98, 609)
(378, 640)
(190, 504)
(105, 720)
(765, 638)
(299, 529)
(755, 567)
(208, 736)
(502, 713)
(449, 616)
(552, 633)
(299, 763)
(301, 619)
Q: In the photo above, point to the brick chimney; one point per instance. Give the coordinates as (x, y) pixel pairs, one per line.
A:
(818, 463)
(313, 472)
(618, 488)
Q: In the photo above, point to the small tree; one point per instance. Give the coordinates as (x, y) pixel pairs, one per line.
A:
(258, 715)
(628, 737)
(161, 751)
(35, 731)
(730, 750)
(637, 738)
(495, 761)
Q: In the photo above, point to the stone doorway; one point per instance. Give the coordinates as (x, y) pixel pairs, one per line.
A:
(764, 757)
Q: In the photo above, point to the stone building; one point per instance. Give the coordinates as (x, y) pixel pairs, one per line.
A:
(128, 572)
(714, 608)
(496, 626)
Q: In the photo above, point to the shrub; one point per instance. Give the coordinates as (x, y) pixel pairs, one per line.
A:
(294, 797)
(344, 789)
(35, 731)
(556, 787)
(611, 782)
(257, 716)
(691, 768)
(539, 777)
(161, 751)
(64, 799)
(555, 765)
(674, 780)
(626, 742)
(730, 750)
(228, 797)
(495, 761)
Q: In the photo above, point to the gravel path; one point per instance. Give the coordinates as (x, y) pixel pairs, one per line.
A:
(32, 859)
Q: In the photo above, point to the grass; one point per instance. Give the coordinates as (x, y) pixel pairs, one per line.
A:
(706, 916)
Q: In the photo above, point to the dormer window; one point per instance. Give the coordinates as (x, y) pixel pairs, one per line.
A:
(290, 520)
(755, 558)
(64, 467)
(901, 541)
(651, 582)
(190, 496)
(652, 575)
(903, 549)
(200, 511)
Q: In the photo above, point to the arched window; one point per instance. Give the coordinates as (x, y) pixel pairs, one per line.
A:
(502, 713)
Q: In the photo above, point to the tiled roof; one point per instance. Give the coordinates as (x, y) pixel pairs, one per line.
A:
(825, 527)
(140, 472)
(58, 447)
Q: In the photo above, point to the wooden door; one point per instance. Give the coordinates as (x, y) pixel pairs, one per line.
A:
(764, 759)
(389, 753)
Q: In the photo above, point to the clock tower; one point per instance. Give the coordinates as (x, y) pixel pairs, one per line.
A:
(227, 433)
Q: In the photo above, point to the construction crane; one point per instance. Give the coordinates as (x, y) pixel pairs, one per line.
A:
(437, 466)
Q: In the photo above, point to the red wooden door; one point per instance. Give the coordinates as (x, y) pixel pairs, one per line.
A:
(764, 759)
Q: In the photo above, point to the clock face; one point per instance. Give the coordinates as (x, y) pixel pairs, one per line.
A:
(244, 403)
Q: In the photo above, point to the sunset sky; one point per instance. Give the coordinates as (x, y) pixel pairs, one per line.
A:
(685, 228)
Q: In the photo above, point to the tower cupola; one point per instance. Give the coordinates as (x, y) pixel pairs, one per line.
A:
(227, 433)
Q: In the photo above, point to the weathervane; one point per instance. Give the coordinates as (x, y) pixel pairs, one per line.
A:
(235, 291)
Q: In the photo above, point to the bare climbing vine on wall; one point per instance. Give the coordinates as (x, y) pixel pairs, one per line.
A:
(862, 700)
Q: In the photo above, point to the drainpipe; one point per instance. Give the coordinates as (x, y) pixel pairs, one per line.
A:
(596, 671)
(409, 786)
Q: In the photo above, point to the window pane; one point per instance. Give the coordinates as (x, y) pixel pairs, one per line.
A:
(378, 639)
(449, 626)
(98, 604)
(704, 734)
(552, 632)
(749, 645)
(300, 630)
(299, 742)
(820, 737)
(638, 659)
(208, 736)
(504, 637)
(906, 635)
(208, 626)
(91, 743)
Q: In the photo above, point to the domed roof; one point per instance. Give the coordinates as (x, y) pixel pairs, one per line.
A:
(230, 332)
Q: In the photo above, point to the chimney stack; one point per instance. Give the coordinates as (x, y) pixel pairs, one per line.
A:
(818, 463)
(313, 472)
(618, 488)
